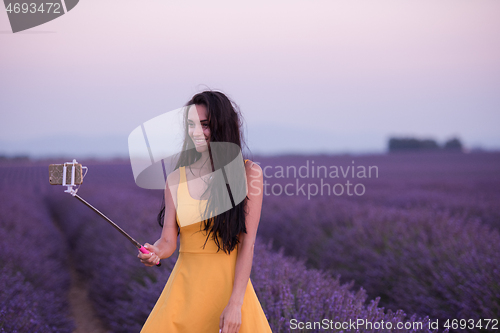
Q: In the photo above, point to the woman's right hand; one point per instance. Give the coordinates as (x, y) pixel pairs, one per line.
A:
(152, 258)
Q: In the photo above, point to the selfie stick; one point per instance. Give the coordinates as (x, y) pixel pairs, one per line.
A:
(72, 191)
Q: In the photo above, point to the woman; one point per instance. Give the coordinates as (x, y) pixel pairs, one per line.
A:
(209, 289)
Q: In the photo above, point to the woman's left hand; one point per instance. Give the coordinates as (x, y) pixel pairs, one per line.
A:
(230, 319)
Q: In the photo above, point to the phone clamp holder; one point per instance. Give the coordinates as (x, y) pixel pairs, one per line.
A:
(70, 187)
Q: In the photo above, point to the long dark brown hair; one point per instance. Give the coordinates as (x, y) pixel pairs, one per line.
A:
(226, 124)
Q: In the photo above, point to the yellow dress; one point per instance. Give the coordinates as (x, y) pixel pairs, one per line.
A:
(201, 282)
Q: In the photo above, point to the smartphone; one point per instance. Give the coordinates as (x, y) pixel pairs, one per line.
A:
(56, 173)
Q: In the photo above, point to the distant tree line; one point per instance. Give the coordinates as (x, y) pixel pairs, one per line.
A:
(412, 144)
(14, 158)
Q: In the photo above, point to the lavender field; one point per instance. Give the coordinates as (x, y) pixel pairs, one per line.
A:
(417, 241)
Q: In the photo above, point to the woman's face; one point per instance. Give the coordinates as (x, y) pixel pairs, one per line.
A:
(199, 131)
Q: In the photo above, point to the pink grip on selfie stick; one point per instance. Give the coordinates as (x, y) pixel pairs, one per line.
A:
(145, 251)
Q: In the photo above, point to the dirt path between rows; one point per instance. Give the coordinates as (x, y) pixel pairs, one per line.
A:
(83, 312)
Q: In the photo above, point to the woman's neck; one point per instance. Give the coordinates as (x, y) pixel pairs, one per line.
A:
(203, 165)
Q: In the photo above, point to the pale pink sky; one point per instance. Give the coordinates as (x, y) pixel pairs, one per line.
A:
(343, 75)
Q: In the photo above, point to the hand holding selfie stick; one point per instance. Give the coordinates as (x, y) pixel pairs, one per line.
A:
(77, 179)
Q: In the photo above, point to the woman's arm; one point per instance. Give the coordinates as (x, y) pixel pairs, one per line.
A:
(231, 317)
(166, 245)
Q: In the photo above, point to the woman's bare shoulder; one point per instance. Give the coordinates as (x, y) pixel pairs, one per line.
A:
(252, 169)
(174, 177)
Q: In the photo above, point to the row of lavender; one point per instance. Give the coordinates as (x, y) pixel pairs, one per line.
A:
(124, 291)
(424, 236)
(34, 280)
